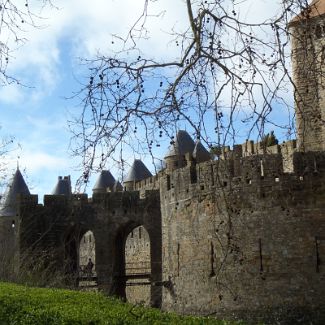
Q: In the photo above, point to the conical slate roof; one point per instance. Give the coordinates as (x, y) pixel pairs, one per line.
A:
(63, 186)
(117, 187)
(138, 172)
(104, 181)
(200, 154)
(8, 204)
(316, 8)
(183, 144)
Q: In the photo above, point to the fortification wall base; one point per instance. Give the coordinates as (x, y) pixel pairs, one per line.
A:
(234, 238)
(237, 243)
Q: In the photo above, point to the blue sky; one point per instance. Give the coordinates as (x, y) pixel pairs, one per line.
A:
(36, 115)
(48, 64)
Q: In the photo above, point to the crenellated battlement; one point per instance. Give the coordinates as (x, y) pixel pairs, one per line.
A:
(150, 183)
(125, 199)
(245, 210)
(247, 161)
(249, 148)
(248, 166)
(238, 235)
(258, 169)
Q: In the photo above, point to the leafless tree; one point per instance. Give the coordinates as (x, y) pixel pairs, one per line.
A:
(228, 75)
(6, 145)
(16, 17)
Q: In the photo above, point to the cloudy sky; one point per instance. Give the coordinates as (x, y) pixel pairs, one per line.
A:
(36, 115)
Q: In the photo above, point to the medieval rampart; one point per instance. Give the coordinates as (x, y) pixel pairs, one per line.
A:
(234, 237)
(241, 237)
(58, 226)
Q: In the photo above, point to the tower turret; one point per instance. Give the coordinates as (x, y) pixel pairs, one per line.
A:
(63, 186)
(200, 154)
(117, 187)
(308, 64)
(175, 157)
(105, 182)
(138, 172)
(8, 204)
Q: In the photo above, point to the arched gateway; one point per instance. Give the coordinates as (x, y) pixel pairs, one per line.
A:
(112, 217)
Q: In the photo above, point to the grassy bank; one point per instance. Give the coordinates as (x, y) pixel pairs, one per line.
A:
(26, 305)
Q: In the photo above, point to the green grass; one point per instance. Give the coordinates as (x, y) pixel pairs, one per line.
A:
(26, 305)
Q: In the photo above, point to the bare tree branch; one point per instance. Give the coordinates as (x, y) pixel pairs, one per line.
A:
(229, 78)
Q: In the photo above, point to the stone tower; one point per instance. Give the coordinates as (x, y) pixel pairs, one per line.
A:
(137, 172)
(105, 182)
(10, 224)
(63, 186)
(308, 64)
(8, 203)
(175, 157)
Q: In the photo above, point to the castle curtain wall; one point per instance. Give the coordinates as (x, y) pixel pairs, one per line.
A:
(249, 245)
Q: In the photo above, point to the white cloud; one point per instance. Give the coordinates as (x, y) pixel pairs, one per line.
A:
(41, 161)
(83, 27)
(87, 28)
(11, 94)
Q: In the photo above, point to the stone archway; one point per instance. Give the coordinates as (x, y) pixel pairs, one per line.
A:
(111, 218)
(87, 260)
(138, 266)
(87, 247)
(146, 279)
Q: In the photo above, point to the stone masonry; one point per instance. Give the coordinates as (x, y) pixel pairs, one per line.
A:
(241, 236)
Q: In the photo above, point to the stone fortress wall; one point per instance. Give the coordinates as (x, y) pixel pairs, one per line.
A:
(241, 236)
(308, 70)
(112, 228)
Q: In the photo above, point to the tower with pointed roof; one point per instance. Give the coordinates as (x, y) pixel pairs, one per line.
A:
(105, 182)
(308, 63)
(63, 186)
(240, 235)
(183, 144)
(137, 172)
(183, 150)
(10, 222)
(8, 203)
(200, 153)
